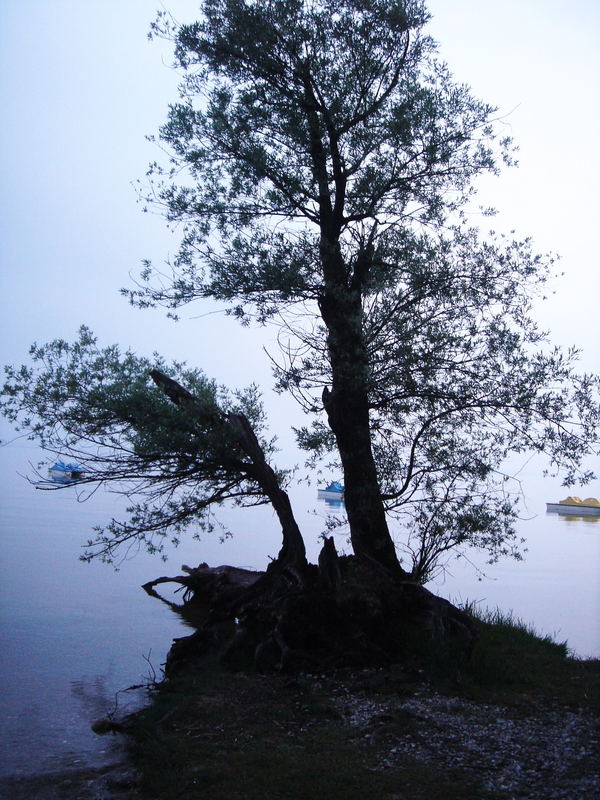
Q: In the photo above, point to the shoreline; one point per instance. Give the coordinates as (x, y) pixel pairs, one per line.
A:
(118, 781)
(520, 710)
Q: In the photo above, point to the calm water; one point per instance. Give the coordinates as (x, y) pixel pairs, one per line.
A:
(74, 634)
(556, 588)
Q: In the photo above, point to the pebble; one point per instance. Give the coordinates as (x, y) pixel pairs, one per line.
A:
(552, 755)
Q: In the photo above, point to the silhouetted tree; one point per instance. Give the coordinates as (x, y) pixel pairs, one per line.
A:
(322, 164)
(322, 160)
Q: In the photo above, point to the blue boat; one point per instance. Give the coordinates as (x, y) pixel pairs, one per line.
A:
(65, 473)
(333, 494)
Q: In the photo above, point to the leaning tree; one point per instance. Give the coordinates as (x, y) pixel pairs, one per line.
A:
(322, 161)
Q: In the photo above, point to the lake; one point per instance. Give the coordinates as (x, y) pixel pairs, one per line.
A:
(75, 634)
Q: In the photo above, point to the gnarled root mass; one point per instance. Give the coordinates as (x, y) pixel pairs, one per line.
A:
(345, 611)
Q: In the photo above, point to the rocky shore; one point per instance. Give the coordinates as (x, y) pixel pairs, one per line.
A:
(549, 754)
(402, 740)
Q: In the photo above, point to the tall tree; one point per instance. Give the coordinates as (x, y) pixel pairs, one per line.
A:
(322, 166)
(328, 159)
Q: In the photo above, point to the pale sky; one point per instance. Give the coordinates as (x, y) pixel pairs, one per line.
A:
(82, 87)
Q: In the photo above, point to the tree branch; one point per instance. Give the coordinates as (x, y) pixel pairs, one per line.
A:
(293, 552)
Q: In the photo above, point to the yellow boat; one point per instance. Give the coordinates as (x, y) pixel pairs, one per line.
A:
(590, 507)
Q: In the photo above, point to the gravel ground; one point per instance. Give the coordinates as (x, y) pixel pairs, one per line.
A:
(554, 755)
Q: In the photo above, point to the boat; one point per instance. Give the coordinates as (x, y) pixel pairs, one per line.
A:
(575, 506)
(333, 494)
(65, 473)
(335, 489)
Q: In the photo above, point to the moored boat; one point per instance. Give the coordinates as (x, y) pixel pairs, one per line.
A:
(333, 493)
(65, 473)
(575, 506)
(335, 487)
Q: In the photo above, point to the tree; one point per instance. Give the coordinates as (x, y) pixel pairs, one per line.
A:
(330, 159)
(179, 453)
(322, 164)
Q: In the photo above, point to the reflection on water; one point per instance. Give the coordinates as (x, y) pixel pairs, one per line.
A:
(576, 518)
(93, 695)
(333, 502)
(332, 495)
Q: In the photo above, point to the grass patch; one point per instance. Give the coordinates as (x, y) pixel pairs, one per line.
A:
(513, 663)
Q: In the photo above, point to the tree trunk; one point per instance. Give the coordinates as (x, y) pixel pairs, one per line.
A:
(348, 417)
(293, 552)
(348, 414)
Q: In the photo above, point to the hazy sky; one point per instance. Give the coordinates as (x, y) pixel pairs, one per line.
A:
(82, 86)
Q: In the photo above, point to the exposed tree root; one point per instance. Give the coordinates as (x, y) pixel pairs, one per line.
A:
(345, 611)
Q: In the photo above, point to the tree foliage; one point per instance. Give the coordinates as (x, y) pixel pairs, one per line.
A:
(322, 168)
(101, 408)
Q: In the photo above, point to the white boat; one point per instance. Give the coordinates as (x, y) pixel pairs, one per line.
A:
(576, 507)
(65, 473)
